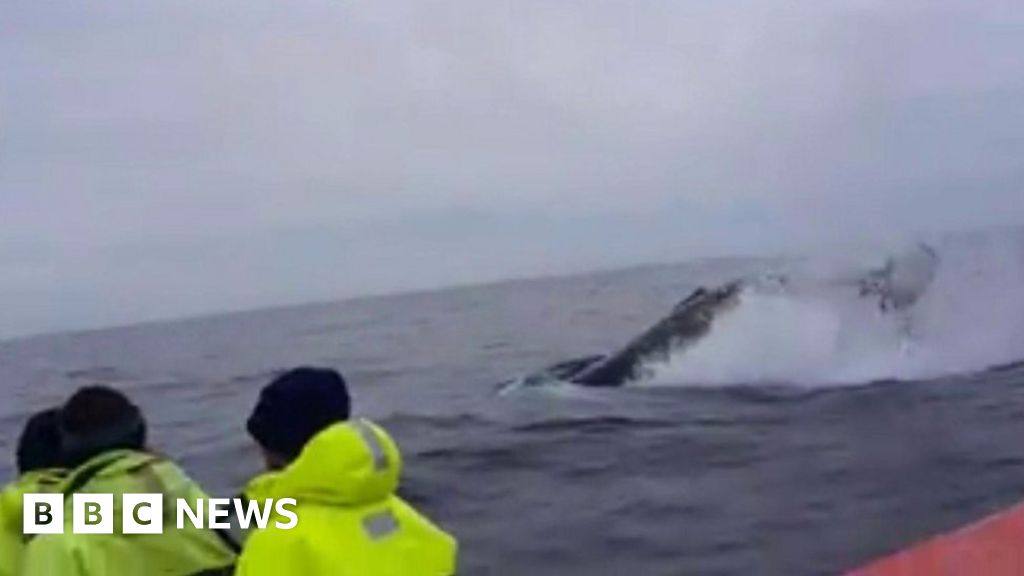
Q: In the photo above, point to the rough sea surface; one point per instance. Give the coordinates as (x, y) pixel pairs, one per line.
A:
(726, 479)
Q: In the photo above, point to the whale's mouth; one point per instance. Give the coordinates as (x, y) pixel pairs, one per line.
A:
(760, 322)
(924, 312)
(792, 338)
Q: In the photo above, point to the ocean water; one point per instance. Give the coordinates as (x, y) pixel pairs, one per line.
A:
(794, 441)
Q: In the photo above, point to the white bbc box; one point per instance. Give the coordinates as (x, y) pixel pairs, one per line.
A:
(43, 514)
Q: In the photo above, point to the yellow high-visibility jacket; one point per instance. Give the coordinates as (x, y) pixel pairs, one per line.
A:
(12, 540)
(350, 523)
(174, 553)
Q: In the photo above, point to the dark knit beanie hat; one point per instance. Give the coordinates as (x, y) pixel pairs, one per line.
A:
(98, 419)
(296, 406)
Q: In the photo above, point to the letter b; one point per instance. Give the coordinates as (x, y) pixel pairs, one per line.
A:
(93, 514)
(43, 514)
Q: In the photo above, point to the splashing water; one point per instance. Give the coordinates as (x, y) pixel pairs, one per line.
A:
(970, 318)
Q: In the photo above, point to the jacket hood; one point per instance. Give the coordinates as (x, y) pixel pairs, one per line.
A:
(108, 467)
(352, 463)
(122, 472)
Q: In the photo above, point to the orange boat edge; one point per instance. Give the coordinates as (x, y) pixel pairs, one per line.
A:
(992, 547)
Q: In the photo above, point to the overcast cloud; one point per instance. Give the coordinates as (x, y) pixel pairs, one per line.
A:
(163, 158)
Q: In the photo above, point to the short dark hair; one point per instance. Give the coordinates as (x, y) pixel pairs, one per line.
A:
(98, 419)
(39, 444)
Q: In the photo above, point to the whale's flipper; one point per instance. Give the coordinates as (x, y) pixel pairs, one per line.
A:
(689, 321)
(903, 280)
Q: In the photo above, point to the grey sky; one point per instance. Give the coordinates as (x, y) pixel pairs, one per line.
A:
(165, 158)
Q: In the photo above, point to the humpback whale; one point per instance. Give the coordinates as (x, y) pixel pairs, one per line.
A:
(895, 288)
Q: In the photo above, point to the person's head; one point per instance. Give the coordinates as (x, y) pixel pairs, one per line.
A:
(39, 445)
(97, 419)
(294, 408)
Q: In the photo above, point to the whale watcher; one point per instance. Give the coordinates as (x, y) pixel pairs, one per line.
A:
(344, 474)
(40, 469)
(102, 436)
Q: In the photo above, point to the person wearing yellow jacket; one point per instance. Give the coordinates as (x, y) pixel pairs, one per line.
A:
(39, 470)
(343, 476)
(103, 439)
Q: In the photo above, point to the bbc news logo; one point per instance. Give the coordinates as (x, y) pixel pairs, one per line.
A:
(144, 513)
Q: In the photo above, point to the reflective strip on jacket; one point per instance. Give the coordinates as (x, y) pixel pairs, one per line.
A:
(174, 553)
(350, 523)
(12, 540)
